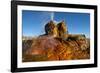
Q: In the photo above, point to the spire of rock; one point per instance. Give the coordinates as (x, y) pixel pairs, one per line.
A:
(51, 29)
(62, 30)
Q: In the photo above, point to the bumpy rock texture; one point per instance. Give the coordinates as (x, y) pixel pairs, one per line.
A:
(56, 44)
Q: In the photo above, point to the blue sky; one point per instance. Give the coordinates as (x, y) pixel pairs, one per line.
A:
(33, 22)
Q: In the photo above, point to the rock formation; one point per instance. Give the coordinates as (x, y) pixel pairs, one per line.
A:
(51, 29)
(62, 30)
(56, 44)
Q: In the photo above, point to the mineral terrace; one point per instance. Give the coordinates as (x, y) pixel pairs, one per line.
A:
(56, 44)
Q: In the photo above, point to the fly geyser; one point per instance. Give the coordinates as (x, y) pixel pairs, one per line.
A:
(56, 44)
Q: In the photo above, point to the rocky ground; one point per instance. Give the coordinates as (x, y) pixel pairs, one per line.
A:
(48, 48)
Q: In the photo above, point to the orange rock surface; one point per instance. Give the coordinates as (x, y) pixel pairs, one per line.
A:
(48, 48)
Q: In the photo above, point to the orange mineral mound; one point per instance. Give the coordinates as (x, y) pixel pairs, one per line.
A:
(48, 48)
(56, 44)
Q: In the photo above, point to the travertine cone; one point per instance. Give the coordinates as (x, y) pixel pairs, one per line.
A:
(51, 29)
(62, 30)
(57, 30)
